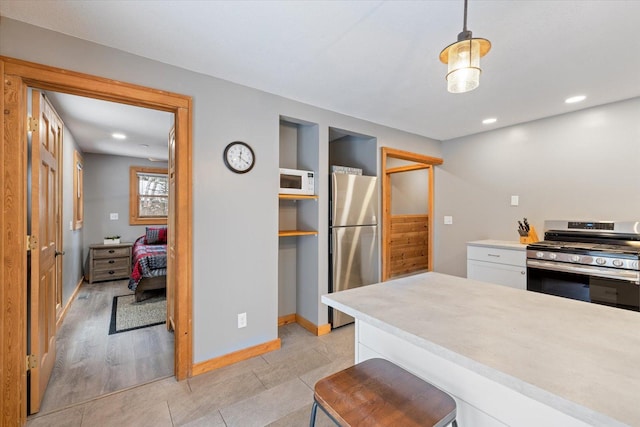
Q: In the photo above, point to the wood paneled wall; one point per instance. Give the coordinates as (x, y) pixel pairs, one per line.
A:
(409, 244)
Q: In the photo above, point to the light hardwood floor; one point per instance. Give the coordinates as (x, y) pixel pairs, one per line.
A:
(91, 363)
(275, 389)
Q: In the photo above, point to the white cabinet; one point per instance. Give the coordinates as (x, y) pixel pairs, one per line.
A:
(503, 263)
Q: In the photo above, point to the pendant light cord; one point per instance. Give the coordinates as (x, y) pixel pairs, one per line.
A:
(464, 26)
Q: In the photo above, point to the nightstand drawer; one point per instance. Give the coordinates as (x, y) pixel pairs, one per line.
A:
(110, 264)
(111, 252)
(120, 273)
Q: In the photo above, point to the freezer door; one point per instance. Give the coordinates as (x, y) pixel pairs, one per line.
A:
(354, 200)
(355, 262)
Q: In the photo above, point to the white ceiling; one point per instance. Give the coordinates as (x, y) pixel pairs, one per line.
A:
(92, 123)
(378, 60)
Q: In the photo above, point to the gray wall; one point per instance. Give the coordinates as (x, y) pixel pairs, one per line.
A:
(72, 261)
(235, 216)
(288, 220)
(356, 152)
(409, 190)
(582, 165)
(106, 190)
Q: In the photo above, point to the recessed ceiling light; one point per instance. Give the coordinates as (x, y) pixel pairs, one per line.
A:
(489, 121)
(144, 145)
(574, 99)
(118, 135)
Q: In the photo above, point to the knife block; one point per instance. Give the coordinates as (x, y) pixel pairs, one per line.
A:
(531, 236)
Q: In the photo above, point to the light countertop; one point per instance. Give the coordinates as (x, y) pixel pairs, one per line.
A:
(580, 358)
(502, 244)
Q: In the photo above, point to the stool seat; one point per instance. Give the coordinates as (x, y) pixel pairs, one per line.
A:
(376, 392)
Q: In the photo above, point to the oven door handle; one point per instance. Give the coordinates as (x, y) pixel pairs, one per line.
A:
(626, 275)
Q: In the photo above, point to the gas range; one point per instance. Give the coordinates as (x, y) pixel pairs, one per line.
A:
(592, 261)
(603, 244)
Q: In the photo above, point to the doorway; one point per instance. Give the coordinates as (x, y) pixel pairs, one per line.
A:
(102, 346)
(407, 212)
(17, 76)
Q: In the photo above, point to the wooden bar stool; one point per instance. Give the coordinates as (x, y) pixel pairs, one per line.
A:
(378, 393)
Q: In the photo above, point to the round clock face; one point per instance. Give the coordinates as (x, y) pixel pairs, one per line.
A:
(239, 157)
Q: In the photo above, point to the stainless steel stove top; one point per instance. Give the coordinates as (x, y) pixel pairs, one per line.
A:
(607, 244)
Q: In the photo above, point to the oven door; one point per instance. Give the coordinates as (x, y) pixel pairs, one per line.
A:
(616, 288)
(615, 293)
(541, 278)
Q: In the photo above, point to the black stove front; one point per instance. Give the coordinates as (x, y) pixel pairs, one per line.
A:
(588, 261)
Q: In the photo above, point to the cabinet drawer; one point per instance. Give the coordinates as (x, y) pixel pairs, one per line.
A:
(110, 264)
(497, 255)
(111, 252)
(500, 274)
(120, 273)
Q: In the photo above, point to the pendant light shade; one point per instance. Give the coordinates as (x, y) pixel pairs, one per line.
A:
(463, 60)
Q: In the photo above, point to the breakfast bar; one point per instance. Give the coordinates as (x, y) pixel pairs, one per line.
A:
(509, 357)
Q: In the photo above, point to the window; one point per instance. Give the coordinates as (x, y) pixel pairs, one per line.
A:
(78, 191)
(148, 196)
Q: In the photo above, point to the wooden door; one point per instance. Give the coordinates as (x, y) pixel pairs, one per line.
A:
(45, 288)
(406, 239)
(171, 248)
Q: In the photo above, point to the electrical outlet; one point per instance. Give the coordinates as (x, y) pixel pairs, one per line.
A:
(448, 220)
(242, 320)
(113, 216)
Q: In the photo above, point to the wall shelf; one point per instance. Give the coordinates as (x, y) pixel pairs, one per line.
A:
(289, 233)
(296, 197)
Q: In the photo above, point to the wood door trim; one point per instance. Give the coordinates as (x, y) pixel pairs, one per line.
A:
(75, 83)
(13, 275)
(16, 76)
(409, 168)
(422, 162)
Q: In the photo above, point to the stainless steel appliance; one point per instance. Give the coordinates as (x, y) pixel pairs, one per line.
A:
(353, 249)
(589, 261)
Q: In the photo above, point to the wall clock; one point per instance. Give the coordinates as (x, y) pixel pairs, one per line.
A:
(238, 157)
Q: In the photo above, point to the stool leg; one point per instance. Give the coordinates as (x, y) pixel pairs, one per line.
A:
(314, 409)
(454, 423)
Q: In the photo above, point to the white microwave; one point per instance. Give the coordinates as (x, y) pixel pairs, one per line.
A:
(294, 181)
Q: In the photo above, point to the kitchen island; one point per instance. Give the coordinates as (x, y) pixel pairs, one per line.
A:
(508, 357)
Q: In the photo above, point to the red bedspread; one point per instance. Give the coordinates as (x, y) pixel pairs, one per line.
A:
(148, 261)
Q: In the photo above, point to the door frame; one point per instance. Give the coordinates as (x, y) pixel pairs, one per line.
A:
(420, 162)
(17, 75)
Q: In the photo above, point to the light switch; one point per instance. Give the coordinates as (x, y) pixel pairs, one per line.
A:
(113, 216)
(448, 220)
(515, 200)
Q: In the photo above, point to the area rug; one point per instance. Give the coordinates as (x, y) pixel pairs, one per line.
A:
(127, 315)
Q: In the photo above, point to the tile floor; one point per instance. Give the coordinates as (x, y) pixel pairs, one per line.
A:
(275, 389)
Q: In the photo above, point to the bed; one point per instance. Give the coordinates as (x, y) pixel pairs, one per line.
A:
(149, 262)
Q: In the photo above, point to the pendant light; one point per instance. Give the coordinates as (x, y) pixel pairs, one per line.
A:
(463, 59)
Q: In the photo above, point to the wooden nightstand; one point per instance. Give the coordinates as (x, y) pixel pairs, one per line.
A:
(108, 262)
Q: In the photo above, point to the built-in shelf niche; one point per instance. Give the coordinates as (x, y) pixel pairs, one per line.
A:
(298, 223)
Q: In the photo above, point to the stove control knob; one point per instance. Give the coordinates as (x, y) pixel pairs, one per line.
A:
(553, 256)
(539, 254)
(617, 263)
(575, 258)
(601, 261)
(634, 264)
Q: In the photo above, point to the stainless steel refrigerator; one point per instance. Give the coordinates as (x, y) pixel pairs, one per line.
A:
(353, 247)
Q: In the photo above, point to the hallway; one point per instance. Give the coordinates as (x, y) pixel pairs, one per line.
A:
(91, 363)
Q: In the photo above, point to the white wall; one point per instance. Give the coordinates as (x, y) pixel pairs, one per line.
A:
(235, 216)
(582, 165)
